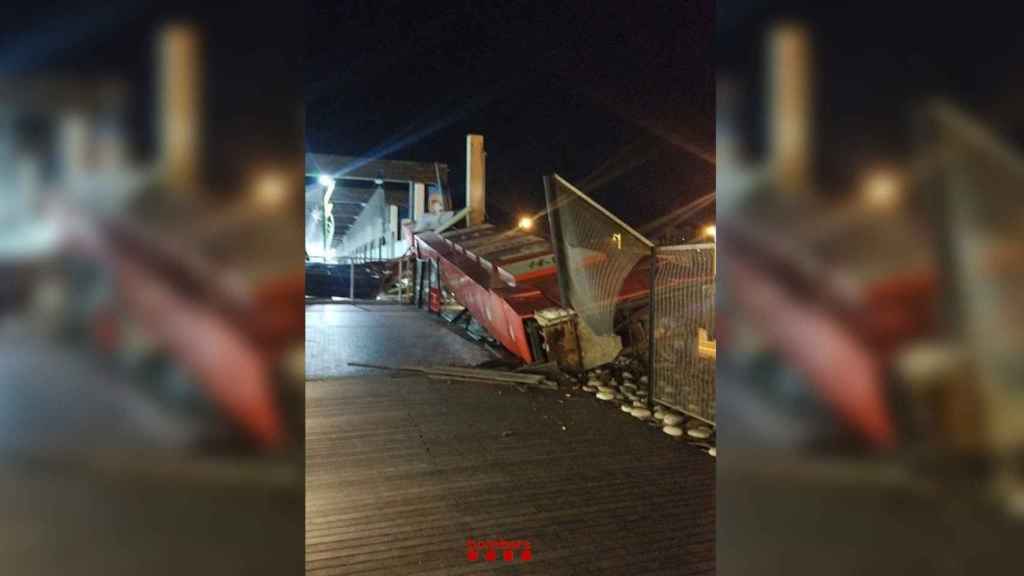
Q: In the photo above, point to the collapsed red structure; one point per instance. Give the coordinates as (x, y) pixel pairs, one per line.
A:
(505, 277)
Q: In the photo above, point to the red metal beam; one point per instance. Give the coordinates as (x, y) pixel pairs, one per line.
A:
(203, 338)
(503, 309)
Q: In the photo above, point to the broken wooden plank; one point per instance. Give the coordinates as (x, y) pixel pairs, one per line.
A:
(475, 374)
(544, 384)
(546, 368)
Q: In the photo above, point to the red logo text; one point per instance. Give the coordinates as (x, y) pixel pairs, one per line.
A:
(491, 549)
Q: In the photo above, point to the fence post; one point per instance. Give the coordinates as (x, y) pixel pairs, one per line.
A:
(351, 279)
(652, 298)
(435, 271)
(419, 283)
(415, 282)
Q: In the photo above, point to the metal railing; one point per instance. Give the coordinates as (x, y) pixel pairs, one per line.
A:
(341, 271)
(682, 331)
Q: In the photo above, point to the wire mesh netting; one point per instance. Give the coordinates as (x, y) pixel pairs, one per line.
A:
(598, 259)
(595, 252)
(684, 328)
(980, 179)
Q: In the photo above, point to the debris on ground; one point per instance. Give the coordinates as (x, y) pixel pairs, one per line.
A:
(623, 383)
(546, 368)
(640, 412)
(500, 363)
(699, 432)
(551, 370)
(672, 419)
(673, 431)
(517, 379)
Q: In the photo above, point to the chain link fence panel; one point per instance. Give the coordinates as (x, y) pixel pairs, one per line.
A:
(684, 329)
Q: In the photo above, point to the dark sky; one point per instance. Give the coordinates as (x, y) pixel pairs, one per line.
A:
(253, 65)
(620, 94)
(877, 62)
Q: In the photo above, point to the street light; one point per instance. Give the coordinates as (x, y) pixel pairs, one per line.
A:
(525, 223)
(709, 231)
(271, 189)
(881, 189)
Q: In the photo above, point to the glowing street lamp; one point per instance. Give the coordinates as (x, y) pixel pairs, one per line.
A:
(709, 231)
(525, 223)
(881, 190)
(271, 189)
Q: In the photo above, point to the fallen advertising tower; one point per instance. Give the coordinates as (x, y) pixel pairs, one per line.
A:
(570, 301)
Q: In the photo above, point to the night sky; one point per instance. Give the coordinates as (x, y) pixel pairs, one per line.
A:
(252, 60)
(877, 62)
(618, 99)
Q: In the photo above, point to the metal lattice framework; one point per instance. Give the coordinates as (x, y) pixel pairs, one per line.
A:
(979, 178)
(683, 329)
(595, 252)
(369, 232)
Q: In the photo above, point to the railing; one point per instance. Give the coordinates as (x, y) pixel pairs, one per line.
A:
(350, 274)
(682, 331)
(341, 259)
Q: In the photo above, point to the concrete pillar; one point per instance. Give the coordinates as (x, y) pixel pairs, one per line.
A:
(112, 153)
(790, 113)
(180, 94)
(392, 229)
(28, 183)
(476, 189)
(418, 200)
(75, 133)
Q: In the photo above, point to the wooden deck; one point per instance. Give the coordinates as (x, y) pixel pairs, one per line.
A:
(400, 471)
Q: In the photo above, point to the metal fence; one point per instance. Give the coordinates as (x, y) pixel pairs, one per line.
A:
(683, 329)
(604, 264)
(595, 253)
(347, 276)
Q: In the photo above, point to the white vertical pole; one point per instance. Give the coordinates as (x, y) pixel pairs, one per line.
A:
(392, 229)
(400, 301)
